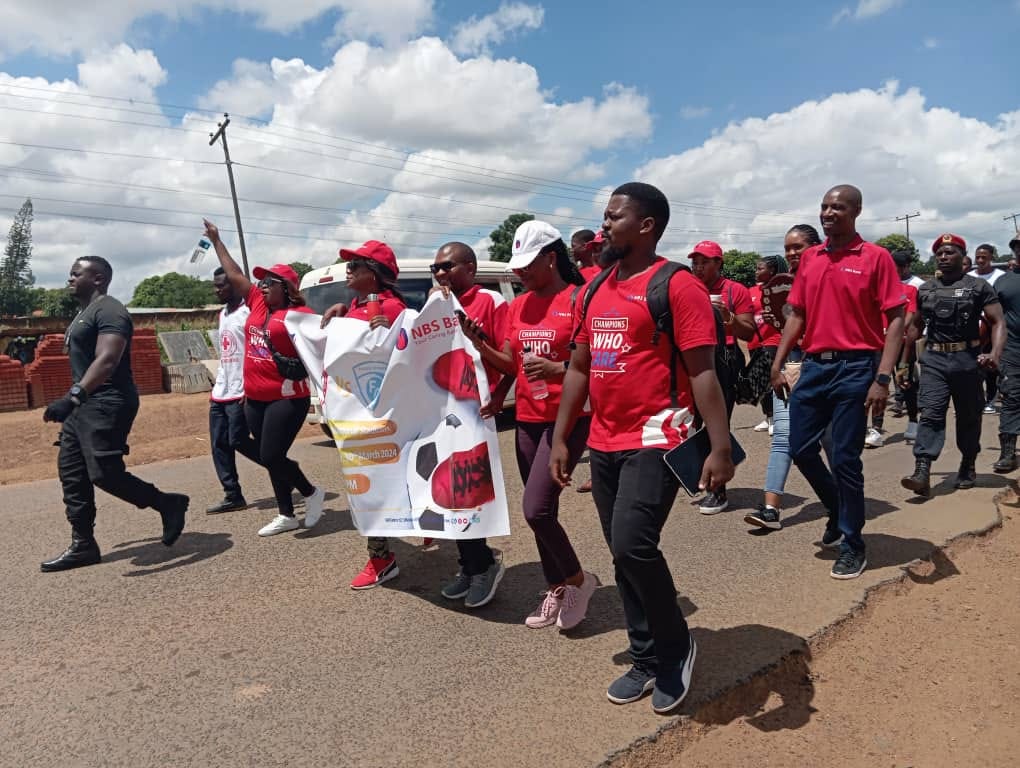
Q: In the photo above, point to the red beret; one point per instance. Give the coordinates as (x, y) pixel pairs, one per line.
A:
(949, 239)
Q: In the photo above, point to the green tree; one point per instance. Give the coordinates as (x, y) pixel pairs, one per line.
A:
(16, 279)
(302, 268)
(173, 290)
(502, 238)
(896, 242)
(54, 302)
(739, 266)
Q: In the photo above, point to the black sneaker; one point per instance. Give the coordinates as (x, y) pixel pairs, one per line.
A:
(849, 564)
(171, 509)
(632, 685)
(764, 517)
(832, 538)
(671, 687)
(714, 503)
(227, 505)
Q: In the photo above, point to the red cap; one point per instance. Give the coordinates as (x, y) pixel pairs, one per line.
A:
(949, 239)
(707, 248)
(373, 250)
(282, 271)
(591, 245)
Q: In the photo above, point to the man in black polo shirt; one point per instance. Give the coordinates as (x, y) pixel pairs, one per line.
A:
(97, 414)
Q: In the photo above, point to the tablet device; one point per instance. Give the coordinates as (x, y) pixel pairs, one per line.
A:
(688, 459)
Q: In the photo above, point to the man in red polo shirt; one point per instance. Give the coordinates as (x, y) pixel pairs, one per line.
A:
(848, 305)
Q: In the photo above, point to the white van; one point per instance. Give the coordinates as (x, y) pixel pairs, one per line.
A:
(322, 288)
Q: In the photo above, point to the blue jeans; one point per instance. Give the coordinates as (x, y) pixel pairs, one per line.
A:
(779, 455)
(833, 392)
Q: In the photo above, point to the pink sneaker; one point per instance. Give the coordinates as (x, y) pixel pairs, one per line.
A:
(575, 602)
(548, 610)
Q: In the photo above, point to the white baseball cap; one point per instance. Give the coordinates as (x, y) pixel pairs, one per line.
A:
(530, 238)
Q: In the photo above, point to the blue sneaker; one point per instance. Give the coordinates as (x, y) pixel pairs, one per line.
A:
(632, 685)
(671, 686)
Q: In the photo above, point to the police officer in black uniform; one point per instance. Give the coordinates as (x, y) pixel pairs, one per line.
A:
(97, 414)
(950, 308)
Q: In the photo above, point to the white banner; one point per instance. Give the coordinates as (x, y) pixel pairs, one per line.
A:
(403, 403)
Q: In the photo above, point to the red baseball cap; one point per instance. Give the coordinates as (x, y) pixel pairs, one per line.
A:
(283, 271)
(707, 248)
(949, 239)
(373, 250)
(599, 239)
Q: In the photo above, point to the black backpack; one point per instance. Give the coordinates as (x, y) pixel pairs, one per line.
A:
(657, 301)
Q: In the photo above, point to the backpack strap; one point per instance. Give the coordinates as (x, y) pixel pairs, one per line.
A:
(657, 301)
(589, 292)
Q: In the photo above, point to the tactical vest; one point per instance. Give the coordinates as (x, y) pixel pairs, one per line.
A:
(950, 312)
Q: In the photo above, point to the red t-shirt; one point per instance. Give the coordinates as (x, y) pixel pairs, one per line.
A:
(736, 298)
(629, 381)
(770, 335)
(390, 305)
(589, 273)
(911, 292)
(490, 310)
(844, 295)
(544, 323)
(262, 381)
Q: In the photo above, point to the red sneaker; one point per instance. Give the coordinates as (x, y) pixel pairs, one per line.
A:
(376, 571)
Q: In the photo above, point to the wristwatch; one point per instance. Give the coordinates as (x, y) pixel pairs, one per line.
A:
(883, 379)
(77, 394)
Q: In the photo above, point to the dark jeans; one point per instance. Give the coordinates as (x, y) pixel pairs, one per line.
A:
(946, 375)
(833, 393)
(1009, 390)
(275, 425)
(228, 433)
(542, 496)
(633, 492)
(475, 556)
(93, 443)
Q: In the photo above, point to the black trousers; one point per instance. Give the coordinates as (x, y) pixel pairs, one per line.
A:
(93, 443)
(228, 433)
(1009, 390)
(633, 492)
(275, 424)
(946, 375)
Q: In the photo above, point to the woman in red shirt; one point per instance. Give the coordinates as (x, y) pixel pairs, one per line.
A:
(534, 355)
(372, 269)
(275, 407)
(765, 335)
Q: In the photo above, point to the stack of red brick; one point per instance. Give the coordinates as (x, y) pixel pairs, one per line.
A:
(49, 375)
(145, 363)
(13, 390)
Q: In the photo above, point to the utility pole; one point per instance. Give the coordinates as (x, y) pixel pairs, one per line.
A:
(905, 217)
(221, 133)
(1012, 216)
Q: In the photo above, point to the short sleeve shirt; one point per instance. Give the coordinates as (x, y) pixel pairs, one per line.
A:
(389, 304)
(229, 384)
(545, 324)
(490, 310)
(736, 298)
(629, 379)
(590, 273)
(992, 277)
(104, 315)
(1008, 290)
(844, 295)
(262, 380)
(767, 336)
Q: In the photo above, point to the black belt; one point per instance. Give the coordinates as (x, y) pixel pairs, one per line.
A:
(834, 356)
(952, 346)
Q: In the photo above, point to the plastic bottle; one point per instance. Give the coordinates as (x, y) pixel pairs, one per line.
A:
(373, 306)
(200, 250)
(539, 389)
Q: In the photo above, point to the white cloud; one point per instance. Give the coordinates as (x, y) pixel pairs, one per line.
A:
(693, 113)
(930, 43)
(64, 27)
(905, 155)
(477, 35)
(866, 9)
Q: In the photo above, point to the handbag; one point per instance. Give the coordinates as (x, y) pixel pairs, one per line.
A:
(755, 380)
(288, 367)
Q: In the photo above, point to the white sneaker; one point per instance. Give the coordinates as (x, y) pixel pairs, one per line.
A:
(313, 507)
(911, 431)
(280, 524)
(763, 425)
(771, 428)
(874, 439)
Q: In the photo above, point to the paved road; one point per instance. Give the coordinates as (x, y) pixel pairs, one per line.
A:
(231, 650)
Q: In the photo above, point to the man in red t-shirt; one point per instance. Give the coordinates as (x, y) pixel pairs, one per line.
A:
(454, 270)
(585, 248)
(624, 366)
(733, 301)
(848, 304)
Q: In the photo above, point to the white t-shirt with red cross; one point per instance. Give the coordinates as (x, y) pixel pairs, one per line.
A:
(229, 384)
(629, 380)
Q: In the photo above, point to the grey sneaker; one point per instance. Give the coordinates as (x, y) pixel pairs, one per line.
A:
(764, 517)
(631, 685)
(483, 586)
(672, 686)
(457, 588)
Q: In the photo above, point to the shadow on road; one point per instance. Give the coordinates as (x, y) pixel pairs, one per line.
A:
(333, 521)
(886, 550)
(152, 557)
(945, 486)
(815, 511)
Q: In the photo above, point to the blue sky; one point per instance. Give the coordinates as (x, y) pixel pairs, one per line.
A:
(702, 74)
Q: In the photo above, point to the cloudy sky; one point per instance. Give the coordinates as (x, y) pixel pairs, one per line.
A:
(422, 121)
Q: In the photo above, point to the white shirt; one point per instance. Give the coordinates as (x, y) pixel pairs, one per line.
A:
(991, 277)
(229, 384)
(914, 280)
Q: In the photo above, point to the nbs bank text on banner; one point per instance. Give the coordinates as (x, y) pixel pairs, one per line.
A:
(417, 458)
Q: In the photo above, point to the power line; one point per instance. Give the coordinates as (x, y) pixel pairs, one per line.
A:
(110, 154)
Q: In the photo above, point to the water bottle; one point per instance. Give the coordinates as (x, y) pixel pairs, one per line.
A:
(539, 389)
(373, 306)
(200, 250)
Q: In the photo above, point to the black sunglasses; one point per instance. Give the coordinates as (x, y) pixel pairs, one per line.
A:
(268, 282)
(442, 266)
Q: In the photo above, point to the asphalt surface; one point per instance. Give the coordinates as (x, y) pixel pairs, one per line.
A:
(231, 650)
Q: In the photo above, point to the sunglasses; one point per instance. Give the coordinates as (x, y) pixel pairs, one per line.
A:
(269, 282)
(442, 266)
(356, 264)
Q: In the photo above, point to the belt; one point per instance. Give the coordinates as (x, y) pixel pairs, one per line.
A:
(953, 346)
(833, 356)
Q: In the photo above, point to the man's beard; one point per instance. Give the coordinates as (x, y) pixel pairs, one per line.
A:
(610, 255)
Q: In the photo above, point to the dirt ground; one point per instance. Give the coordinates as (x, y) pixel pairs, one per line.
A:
(167, 427)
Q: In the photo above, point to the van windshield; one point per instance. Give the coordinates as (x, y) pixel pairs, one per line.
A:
(322, 296)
